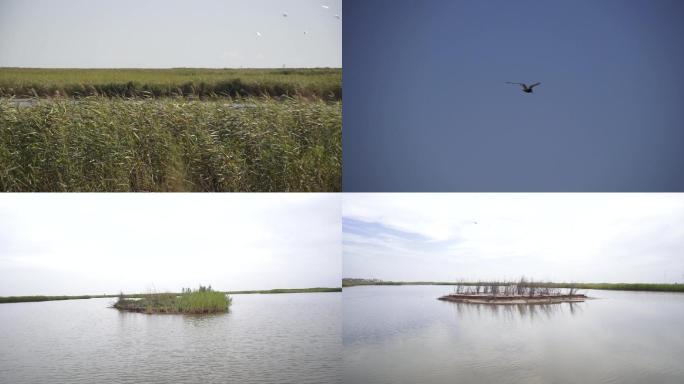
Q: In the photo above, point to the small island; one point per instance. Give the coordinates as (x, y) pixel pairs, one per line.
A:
(200, 301)
(521, 292)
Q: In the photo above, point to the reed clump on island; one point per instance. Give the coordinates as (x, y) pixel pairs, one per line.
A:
(200, 301)
(519, 292)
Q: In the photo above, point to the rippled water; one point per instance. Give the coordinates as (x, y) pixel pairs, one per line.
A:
(286, 338)
(402, 334)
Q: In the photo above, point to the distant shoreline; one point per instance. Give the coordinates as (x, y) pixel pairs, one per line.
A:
(38, 298)
(646, 287)
(146, 83)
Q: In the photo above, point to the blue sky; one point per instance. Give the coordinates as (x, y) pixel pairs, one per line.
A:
(94, 243)
(170, 33)
(427, 107)
(558, 237)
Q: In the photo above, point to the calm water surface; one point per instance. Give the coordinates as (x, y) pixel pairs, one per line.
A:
(402, 334)
(287, 338)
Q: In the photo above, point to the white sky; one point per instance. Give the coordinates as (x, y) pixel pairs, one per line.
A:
(559, 237)
(170, 33)
(95, 243)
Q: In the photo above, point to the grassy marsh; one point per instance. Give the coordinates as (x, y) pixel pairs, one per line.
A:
(321, 83)
(113, 144)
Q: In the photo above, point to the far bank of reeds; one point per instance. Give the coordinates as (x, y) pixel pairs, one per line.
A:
(675, 287)
(25, 299)
(28, 299)
(290, 290)
(319, 83)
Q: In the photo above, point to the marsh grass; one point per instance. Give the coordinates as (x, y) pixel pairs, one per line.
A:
(27, 299)
(201, 300)
(23, 299)
(286, 290)
(321, 83)
(114, 144)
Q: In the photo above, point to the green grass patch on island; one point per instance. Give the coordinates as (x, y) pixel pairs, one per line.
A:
(202, 300)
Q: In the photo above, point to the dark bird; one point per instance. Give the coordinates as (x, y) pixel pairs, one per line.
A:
(526, 89)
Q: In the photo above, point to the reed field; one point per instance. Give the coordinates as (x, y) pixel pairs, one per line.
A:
(112, 144)
(321, 83)
(170, 130)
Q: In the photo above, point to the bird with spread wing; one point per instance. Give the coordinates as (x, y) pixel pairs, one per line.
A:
(526, 88)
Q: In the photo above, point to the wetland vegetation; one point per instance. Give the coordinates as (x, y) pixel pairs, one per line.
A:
(201, 300)
(28, 299)
(282, 133)
(25, 299)
(675, 287)
(288, 290)
(319, 83)
(522, 291)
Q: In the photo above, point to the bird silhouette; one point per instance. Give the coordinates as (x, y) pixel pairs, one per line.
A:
(526, 89)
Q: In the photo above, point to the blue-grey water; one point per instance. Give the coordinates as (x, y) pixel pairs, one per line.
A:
(286, 338)
(402, 334)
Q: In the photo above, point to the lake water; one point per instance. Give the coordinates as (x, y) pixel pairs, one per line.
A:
(403, 334)
(285, 338)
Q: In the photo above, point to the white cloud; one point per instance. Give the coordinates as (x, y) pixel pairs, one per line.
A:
(132, 242)
(588, 237)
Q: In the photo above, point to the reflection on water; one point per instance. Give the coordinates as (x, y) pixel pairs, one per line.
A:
(403, 334)
(521, 311)
(291, 338)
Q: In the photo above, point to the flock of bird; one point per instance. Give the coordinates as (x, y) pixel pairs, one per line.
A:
(306, 32)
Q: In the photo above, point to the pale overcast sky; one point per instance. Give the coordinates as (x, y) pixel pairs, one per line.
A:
(95, 243)
(170, 33)
(558, 237)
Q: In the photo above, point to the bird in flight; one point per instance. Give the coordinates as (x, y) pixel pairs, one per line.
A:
(526, 88)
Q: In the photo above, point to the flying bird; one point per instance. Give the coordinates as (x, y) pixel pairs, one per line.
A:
(526, 89)
(258, 34)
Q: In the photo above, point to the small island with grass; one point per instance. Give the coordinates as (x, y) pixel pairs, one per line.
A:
(520, 292)
(200, 301)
